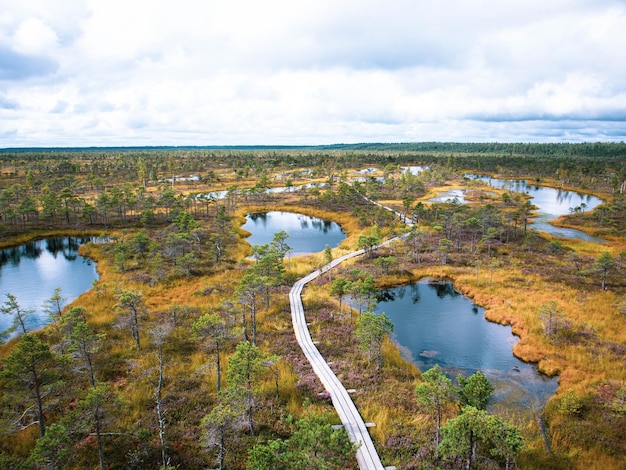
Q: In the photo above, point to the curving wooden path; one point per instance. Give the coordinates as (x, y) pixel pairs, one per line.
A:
(366, 454)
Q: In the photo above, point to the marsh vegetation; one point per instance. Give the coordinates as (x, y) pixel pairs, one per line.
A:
(182, 354)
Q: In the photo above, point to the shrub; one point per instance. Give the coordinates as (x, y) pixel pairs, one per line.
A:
(571, 405)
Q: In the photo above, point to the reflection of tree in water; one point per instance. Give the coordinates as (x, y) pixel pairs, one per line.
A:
(323, 226)
(30, 250)
(415, 293)
(385, 295)
(563, 196)
(401, 291)
(10, 255)
(389, 295)
(443, 289)
(258, 216)
(67, 246)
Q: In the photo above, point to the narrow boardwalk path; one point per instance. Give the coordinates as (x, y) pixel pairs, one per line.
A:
(366, 454)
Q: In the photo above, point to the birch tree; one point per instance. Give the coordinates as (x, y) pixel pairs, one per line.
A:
(160, 334)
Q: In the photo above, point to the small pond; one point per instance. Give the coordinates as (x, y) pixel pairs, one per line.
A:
(552, 203)
(31, 272)
(414, 170)
(366, 171)
(435, 324)
(306, 234)
(452, 195)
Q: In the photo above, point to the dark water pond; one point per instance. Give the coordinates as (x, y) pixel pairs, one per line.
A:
(306, 234)
(552, 203)
(435, 324)
(31, 272)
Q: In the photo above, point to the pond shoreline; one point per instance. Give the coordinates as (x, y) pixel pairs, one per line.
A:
(38, 267)
(22, 238)
(481, 296)
(456, 285)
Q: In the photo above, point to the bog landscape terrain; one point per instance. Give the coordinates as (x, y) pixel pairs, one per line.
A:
(147, 324)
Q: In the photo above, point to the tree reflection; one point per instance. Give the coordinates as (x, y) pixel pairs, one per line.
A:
(385, 295)
(30, 250)
(67, 246)
(443, 289)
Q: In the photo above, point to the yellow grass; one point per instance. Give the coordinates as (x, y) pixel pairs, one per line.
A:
(294, 406)
(381, 416)
(287, 383)
(508, 302)
(393, 359)
(514, 297)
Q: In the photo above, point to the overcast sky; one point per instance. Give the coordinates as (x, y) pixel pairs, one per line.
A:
(229, 72)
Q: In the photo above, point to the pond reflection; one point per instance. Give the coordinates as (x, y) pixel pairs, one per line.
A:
(551, 203)
(436, 324)
(32, 271)
(306, 234)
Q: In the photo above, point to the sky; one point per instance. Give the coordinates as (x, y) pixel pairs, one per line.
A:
(79, 73)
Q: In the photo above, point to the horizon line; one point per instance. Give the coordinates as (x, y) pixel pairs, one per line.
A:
(364, 145)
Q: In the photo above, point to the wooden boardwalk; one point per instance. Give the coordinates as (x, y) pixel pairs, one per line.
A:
(366, 454)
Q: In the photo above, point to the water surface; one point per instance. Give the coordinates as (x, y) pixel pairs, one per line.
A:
(31, 272)
(306, 234)
(414, 170)
(452, 195)
(435, 324)
(552, 203)
(214, 195)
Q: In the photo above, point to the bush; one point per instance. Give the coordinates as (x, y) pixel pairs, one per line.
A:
(571, 405)
(555, 247)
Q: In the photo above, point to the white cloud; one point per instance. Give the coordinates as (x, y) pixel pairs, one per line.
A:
(35, 38)
(241, 72)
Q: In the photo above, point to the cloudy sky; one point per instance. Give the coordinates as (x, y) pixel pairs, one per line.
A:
(229, 72)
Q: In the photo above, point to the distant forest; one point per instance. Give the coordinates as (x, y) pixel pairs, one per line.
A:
(584, 164)
(585, 149)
